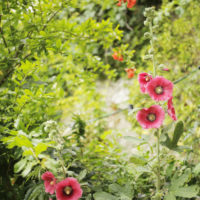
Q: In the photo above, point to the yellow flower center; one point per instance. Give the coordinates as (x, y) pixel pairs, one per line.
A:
(51, 183)
(68, 190)
(147, 78)
(151, 117)
(159, 90)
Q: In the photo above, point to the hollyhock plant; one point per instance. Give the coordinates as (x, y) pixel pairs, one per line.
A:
(144, 79)
(68, 189)
(151, 117)
(130, 72)
(171, 110)
(49, 182)
(117, 56)
(160, 89)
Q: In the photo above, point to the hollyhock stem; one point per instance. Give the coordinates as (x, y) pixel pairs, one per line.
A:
(152, 46)
(184, 77)
(158, 161)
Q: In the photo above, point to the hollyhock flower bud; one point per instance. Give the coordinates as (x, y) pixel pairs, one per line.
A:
(49, 182)
(171, 110)
(160, 89)
(151, 117)
(68, 189)
(144, 79)
(166, 69)
(130, 72)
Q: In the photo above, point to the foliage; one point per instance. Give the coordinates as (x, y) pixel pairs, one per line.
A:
(52, 56)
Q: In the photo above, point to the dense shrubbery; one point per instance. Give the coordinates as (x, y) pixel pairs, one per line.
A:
(52, 54)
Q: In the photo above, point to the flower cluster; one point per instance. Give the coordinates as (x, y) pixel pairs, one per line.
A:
(67, 189)
(130, 72)
(117, 56)
(159, 89)
(130, 3)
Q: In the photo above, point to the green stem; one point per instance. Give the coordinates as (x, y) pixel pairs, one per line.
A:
(152, 46)
(158, 162)
(184, 77)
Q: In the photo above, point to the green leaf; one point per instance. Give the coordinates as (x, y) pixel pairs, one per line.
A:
(170, 196)
(103, 196)
(28, 168)
(20, 165)
(40, 148)
(187, 192)
(82, 175)
(177, 133)
(197, 169)
(138, 160)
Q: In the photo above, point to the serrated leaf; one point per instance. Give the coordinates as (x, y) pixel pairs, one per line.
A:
(82, 174)
(103, 196)
(28, 168)
(19, 165)
(41, 147)
(187, 192)
(177, 133)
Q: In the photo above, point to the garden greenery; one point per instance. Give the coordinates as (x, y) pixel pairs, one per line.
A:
(55, 141)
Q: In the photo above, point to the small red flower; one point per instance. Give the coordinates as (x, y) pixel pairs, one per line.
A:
(49, 182)
(130, 72)
(160, 89)
(119, 3)
(144, 79)
(130, 3)
(151, 117)
(117, 56)
(68, 189)
(171, 110)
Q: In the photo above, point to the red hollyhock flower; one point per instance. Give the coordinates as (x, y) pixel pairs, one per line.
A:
(171, 110)
(144, 79)
(68, 189)
(117, 56)
(130, 72)
(49, 182)
(151, 117)
(160, 89)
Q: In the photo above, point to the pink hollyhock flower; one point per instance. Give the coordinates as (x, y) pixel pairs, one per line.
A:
(49, 182)
(130, 72)
(151, 117)
(160, 89)
(68, 189)
(171, 110)
(144, 79)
